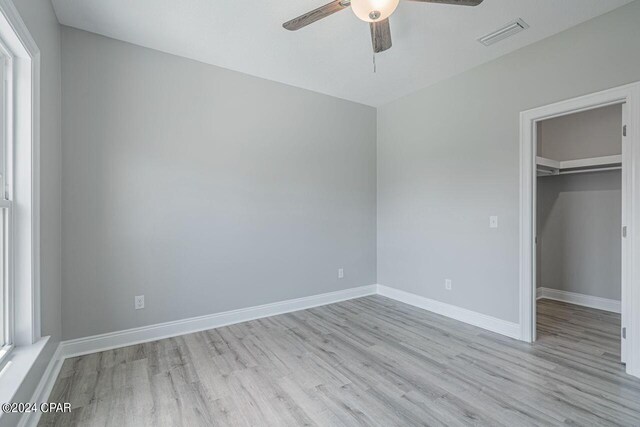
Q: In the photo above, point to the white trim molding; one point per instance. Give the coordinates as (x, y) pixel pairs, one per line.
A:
(111, 340)
(44, 389)
(96, 343)
(108, 341)
(22, 183)
(629, 96)
(25, 173)
(474, 318)
(599, 303)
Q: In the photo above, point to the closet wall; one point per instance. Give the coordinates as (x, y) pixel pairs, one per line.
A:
(579, 215)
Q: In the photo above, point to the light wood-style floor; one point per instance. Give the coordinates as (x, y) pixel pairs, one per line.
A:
(370, 361)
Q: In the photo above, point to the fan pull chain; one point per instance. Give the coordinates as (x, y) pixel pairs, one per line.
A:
(374, 62)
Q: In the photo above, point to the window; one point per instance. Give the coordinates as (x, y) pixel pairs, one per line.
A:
(6, 252)
(19, 187)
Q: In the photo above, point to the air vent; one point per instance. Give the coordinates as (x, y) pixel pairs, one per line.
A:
(504, 32)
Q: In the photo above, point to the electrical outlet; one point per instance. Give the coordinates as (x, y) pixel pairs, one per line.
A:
(447, 284)
(138, 302)
(493, 222)
(341, 273)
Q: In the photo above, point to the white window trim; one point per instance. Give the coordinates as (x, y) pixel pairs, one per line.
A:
(25, 175)
(5, 183)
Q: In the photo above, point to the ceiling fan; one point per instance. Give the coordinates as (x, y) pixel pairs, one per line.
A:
(375, 12)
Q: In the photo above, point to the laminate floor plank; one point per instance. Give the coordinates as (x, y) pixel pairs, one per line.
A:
(365, 362)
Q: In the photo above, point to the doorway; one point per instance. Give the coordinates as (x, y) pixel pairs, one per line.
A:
(578, 223)
(627, 98)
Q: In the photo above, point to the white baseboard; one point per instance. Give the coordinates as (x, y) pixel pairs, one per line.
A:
(480, 320)
(111, 340)
(108, 341)
(97, 343)
(579, 299)
(44, 388)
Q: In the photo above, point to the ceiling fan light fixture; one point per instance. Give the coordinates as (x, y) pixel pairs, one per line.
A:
(373, 10)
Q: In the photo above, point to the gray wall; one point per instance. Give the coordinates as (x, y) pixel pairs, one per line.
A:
(204, 189)
(579, 216)
(592, 133)
(579, 220)
(448, 159)
(41, 21)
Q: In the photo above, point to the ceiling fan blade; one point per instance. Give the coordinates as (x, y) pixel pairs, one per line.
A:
(455, 2)
(380, 35)
(316, 14)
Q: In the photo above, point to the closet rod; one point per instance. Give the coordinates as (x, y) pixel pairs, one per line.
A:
(589, 170)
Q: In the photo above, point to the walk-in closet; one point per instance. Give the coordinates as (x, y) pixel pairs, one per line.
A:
(579, 205)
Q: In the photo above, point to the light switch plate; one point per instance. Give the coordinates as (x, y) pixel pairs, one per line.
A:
(493, 222)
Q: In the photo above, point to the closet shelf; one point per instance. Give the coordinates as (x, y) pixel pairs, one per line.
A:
(553, 167)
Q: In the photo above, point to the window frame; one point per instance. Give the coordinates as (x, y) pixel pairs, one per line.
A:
(20, 192)
(6, 204)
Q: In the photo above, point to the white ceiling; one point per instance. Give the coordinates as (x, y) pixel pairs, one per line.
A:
(430, 42)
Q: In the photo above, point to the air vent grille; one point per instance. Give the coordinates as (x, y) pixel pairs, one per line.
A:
(502, 33)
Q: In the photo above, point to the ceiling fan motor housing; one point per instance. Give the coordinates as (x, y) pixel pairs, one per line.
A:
(373, 10)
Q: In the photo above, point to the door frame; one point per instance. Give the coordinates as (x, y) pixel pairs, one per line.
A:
(629, 95)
